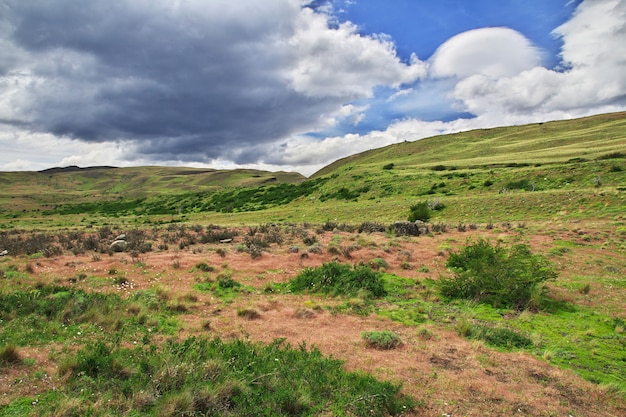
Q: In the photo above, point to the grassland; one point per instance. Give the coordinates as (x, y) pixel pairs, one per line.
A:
(224, 302)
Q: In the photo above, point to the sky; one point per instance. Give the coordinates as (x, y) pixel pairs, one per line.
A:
(290, 85)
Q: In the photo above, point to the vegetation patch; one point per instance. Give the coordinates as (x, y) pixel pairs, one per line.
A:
(498, 276)
(212, 377)
(337, 279)
(498, 336)
(384, 340)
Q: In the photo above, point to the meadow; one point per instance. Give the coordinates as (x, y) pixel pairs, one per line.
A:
(253, 293)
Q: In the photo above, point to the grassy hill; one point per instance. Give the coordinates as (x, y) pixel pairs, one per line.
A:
(26, 191)
(532, 172)
(540, 143)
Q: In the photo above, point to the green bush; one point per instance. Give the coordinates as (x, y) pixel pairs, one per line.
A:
(382, 339)
(419, 211)
(339, 279)
(494, 275)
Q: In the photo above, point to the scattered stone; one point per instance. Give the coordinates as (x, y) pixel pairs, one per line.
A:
(4, 253)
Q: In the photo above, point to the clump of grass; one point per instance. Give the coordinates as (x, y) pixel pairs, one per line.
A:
(9, 355)
(339, 279)
(585, 289)
(382, 339)
(500, 337)
(425, 334)
(248, 314)
(406, 266)
(378, 263)
(226, 281)
(419, 211)
(204, 267)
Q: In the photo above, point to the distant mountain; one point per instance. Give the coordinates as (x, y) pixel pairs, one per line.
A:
(72, 168)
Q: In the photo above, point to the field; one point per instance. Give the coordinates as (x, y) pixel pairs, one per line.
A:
(203, 310)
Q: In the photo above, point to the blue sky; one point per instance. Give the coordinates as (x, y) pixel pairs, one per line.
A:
(420, 27)
(290, 84)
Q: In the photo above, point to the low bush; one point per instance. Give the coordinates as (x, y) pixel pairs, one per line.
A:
(419, 211)
(494, 275)
(382, 339)
(9, 355)
(498, 337)
(371, 227)
(339, 279)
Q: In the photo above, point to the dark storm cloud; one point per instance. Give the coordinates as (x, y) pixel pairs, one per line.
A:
(197, 80)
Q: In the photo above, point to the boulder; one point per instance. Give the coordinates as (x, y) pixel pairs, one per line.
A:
(118, 245)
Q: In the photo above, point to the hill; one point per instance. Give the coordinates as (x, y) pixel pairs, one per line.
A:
(531, 172)
(40, 190)
(540, 143)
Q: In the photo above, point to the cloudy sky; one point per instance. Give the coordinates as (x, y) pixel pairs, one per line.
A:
(290, 84)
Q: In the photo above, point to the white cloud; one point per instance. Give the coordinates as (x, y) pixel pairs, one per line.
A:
(341, 63)
(492, 52)
(592, 78)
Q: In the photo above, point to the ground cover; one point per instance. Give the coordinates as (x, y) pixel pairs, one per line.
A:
(448, 357)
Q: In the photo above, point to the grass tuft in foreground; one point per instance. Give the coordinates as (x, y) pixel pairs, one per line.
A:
(212, 377)
(339, 279)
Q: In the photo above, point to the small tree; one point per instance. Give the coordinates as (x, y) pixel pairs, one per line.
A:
(419, 211)
(494, 275)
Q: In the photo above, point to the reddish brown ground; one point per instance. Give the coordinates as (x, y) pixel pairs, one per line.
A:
(451, 375)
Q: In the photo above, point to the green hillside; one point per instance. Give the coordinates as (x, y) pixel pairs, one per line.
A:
(561, 141)
(564, 169)
(28, 190)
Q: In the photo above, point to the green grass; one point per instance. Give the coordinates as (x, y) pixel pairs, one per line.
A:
(591, 343)
(210, 377)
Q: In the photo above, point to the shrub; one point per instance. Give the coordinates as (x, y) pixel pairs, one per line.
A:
(419, 211)
(494, 275)
(378, 263)
(204, 267)
(371, 227)
(388, 166)
(382, 339)
(9, 355)
(339, 279)
(225, 281)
